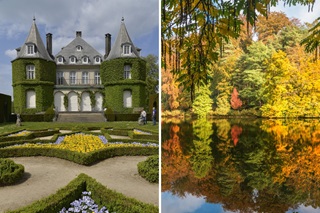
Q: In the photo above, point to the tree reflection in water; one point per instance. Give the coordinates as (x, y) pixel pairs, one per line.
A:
(246, 165)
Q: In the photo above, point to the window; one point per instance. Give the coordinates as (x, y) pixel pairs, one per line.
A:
(97, 80)
(85, 60)
(60, 78)
(72, 77)
(60, 60)
(127, 71)
(30, 49)
(79, 48)
(73, 60)
(97, 60)
(126, 49)
(127, 98)
(31, 99)
(31, 71)
(85, 78)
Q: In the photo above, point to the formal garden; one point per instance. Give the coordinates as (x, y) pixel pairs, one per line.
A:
(86, 144)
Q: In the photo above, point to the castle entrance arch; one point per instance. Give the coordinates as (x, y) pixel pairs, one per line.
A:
(73, 102)
(85, 102)
(59, 102)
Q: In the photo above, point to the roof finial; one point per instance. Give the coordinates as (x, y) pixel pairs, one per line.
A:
(122, 19)
(34, 18)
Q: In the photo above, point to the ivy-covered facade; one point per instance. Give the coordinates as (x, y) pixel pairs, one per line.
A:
(78, 78)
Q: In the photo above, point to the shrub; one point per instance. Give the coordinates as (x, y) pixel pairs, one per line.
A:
(114, 201)
(149, 169)
(10, 172)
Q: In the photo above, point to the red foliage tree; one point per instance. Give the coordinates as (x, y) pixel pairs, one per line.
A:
(236, 103)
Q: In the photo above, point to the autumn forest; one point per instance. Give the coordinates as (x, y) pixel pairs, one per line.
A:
(269, 70)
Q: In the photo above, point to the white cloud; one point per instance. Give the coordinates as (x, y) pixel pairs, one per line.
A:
(11, 54)
(300, 12)
(95, 17)
(5, 79)
(175, 204)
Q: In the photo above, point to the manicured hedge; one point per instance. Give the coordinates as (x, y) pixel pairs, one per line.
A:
(149, 169)
(32, 135)
(114, 201)
(77, 157)
(10, 172)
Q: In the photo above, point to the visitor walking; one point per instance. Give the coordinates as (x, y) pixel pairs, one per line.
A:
(154, 117)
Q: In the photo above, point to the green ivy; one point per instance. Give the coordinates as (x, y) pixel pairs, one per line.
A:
(112, 74)
(65, 101)
(43, 84)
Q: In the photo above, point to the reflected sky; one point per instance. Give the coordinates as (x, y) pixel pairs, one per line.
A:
(193, 204)
(188, 204)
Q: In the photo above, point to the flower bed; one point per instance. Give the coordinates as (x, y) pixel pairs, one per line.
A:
(113, 201)
(84, 204)
(82, 143)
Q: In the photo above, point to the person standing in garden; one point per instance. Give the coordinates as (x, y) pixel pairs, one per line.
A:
(154, 118)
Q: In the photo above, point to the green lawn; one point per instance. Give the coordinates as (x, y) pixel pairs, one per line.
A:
(10, 127)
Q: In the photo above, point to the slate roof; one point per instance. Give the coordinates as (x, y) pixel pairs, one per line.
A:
(34, 38)
(122, 38)
(71, 50)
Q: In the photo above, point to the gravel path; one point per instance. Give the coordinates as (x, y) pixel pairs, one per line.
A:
(45, 175)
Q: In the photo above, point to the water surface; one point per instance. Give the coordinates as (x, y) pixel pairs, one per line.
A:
(250, 165)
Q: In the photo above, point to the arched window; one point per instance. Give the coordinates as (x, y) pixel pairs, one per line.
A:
(30, 99)
(73, 60)
(85, 60)
(60, 60)
(127, 98)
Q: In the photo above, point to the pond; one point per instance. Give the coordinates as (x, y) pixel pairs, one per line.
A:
(244, 165)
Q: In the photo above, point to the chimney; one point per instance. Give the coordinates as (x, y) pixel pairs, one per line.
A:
(49, 43)
(78, 34)
(107, 45)
(138, 50)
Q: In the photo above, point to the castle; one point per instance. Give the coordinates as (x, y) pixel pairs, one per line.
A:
(78, 78)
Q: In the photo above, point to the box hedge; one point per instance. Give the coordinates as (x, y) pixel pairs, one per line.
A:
(114, 201)
(10, 172)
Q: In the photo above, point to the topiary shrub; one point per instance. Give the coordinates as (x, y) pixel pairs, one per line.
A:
(10, 172)
(109, 114)
(149, 169)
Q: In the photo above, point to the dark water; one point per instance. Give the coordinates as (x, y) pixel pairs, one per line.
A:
(241, 166)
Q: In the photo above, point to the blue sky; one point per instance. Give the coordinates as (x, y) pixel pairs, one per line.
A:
(63, 18)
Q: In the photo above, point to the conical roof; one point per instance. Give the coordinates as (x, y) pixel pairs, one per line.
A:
(122, 39)
(35, 39)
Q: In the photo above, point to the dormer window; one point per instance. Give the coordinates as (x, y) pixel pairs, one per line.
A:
(126, 49)
(97, 60)
(73, 60)
(30, 49)
(85, 60)
(60, 60)
(79, 48)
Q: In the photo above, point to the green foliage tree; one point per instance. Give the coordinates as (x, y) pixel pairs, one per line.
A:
(250, 72)
(202, 104)
(223, 98)
(312, 41)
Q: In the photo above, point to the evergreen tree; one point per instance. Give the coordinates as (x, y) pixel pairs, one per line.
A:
(202, 104)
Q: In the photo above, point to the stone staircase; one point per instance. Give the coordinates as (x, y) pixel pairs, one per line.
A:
(81, 117)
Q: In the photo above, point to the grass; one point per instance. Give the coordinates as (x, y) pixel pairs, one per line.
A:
(10, 127)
